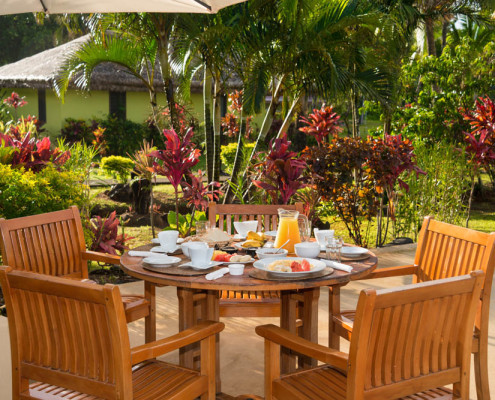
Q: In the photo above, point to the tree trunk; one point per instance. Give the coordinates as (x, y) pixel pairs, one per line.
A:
(473, 180)
(355, 114)
(217, 123)
(209, 134)
(445, 31)
(239, 155)
(430, 36)
(154, 109)
(267, 121)
(387, 124)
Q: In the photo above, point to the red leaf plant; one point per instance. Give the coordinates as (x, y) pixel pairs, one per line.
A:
(15, 101)
(482, 119)
(321, 123)
(176, 161)
(105, 235)
(33, 154)
(197, 194)
(281, 174)
(230, 123)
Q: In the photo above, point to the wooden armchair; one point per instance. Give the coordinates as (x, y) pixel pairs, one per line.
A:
(407, 340)
(248, 303)
(443, 251)
(53, 244)
(69, 339)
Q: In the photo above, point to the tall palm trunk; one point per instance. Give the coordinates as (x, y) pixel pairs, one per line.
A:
(355, 114)
(269, 116)
(430, 36)
(217, 119)
(239, 155)
(154, 107)
(209, 134)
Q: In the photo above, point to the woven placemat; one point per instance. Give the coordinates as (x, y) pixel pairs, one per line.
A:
(176, 270)
(348, 259)
(268, 276)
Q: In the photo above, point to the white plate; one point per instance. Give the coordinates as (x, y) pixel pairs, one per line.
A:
(206, 266)
(157, 241)
(162, 260)
(271, 233)
(239, 245)
(350, 251)
(240, 262)
(239, 237)
(318, 265)
(160, 249)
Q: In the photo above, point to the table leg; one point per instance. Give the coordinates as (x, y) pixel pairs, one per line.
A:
(288, 316)
(186, 320)
(333, 308)
(150, 320)
(309, 316)
(213, 314)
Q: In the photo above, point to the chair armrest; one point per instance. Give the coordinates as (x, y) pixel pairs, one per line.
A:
(174, 342)
(286, 339)
(392, 271)
(101, 257)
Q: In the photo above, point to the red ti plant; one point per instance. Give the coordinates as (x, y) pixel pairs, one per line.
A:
(322, 123)
(176, 161)
(481, 141)
(281, 172)
(230, 123)
(105, 235)
(33, 154)
(15, 101)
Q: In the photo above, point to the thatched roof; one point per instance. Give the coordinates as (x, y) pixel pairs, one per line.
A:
(41, 70)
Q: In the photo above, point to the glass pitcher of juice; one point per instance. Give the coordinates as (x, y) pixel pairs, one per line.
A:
(288, 229)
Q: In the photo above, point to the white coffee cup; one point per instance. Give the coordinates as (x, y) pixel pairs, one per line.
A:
(200, 254)
(168, 240)
(322, 234)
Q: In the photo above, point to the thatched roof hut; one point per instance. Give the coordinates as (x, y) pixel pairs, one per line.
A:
(41, 71)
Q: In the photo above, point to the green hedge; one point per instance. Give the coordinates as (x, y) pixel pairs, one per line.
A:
(118, 167)
(227, 155)
(25, 193)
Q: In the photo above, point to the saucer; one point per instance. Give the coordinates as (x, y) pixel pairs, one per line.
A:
(157, 241)
(211, 264)
(160, 249)
(162, 260)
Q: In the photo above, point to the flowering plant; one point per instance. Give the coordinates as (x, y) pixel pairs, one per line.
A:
(105, 235)
(321, 123)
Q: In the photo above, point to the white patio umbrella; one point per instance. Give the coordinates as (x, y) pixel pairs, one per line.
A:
(110, 6)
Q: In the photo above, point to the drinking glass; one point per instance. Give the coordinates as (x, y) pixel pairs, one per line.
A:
(304, 229)
(202, 227)
(334, 247)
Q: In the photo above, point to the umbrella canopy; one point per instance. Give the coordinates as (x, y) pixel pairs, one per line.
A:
(110, 6)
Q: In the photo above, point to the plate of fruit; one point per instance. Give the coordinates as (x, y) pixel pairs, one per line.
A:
(225, 257)
(294, 266)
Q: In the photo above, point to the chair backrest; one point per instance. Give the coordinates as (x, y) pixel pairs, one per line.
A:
(446, 250)
(67, 333)
(50, 244)
(413, 338)
(267, 215)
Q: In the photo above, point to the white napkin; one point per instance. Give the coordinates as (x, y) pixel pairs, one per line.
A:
(216, 274)
(336, 265)
(137, 253)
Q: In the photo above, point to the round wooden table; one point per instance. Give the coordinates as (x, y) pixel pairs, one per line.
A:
(200, 297)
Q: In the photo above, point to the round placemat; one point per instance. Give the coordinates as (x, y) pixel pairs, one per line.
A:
(323, 254)
(266, 275)
(176, 270)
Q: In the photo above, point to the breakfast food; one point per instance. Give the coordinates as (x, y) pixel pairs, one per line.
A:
(255, 239)
(290, 266)
(225, 257)
(216, 235)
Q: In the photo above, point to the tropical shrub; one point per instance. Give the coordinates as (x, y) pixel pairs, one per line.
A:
(321, 124)
(279, 171)
(228, 155)
(106, 238)
(30, 153)
(77, 130)
(118, 167)
(339, 177)
(25, 192)
(441, 192)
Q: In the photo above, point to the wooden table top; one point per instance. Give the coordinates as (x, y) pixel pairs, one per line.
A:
(133, 266)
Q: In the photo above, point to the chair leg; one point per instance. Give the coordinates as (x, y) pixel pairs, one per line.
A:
(208, 362)
(481, 368)
(150, 320)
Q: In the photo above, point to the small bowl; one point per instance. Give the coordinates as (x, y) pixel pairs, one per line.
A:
(307, 249)
(251, 251)
(243, 227)
(236, 269)
(270, 252)
(229, 249)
